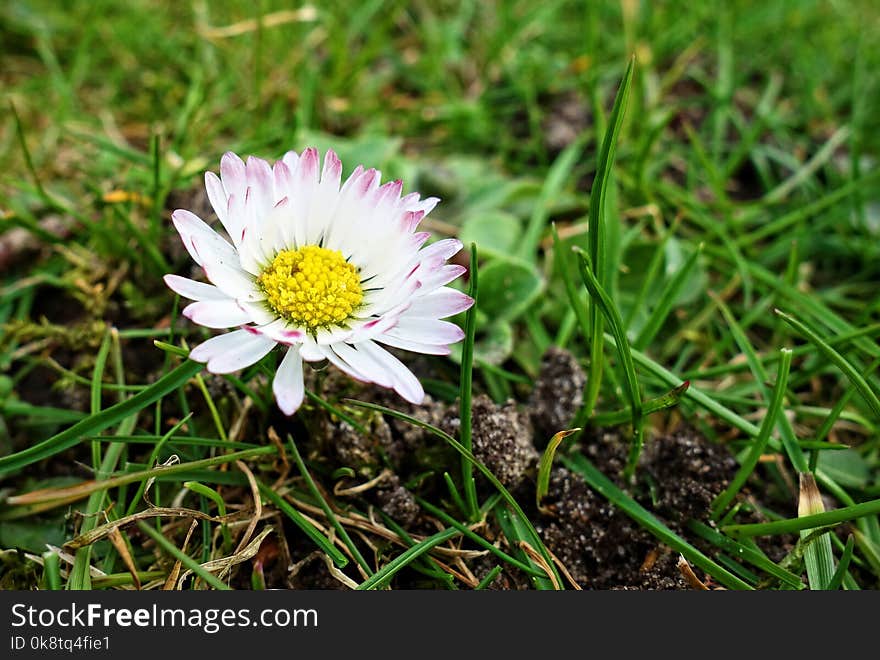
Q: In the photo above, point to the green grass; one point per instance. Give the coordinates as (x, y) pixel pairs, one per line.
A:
(728, 204)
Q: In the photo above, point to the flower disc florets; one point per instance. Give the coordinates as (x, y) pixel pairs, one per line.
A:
(312, 287)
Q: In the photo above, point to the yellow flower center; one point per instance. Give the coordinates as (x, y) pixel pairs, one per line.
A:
(311, 287)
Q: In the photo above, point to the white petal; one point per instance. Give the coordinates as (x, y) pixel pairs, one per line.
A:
(310, 351)
(218, 345)
(440, 303)
(404, 382)
(232, 351)
(259, 311)
(426, 331)
(437, 278)
(288, 383)
(443, 249)
(217, 313)
(364, 363)
(342, 365)
(194, 290)
(226, 275)
(261, 182)
(413, 346)
(217, 196)
(280, 331)
(233, 173)
(191, 228)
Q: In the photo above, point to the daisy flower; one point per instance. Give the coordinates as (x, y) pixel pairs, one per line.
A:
(327, 271)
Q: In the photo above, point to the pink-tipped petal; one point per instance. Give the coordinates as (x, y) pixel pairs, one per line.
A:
(426, 331)
(440, 303)
(332, 172)
(414, 346)
(242, 354)
(233, 174)
(261, 182)
(443, 275)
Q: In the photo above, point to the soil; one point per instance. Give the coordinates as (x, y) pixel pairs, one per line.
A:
(680, 472)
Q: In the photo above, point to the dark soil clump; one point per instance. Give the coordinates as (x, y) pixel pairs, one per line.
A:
(558, 394)
(502, 440)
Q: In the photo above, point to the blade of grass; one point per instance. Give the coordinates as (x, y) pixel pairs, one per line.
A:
(612, 316)
(381, 577)
(84, 489)
(489, 579)
(95, 423)
(754, 557)
(818, 556)
(790, 525)
(182, 557)
(649, 406)
(515, 536)
(596, 233)
(308, 528)
(479, 540)
(839, 573)
(51, 571)
(467, 374)
(836, 358)
(546, 464)
(605, 487)
(534, 537)
(215, 497)
(325, 507)
(759, 444)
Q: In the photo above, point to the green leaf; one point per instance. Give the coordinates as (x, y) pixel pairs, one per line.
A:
(508, 288)
(847, 467)
(497, 232)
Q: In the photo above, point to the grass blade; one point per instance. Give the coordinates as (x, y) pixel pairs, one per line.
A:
(756, 449)
(546, 464)
(380, 578)
(667, 298)
(818, 557)
(596, 233)
(841, 362)
(467, 375)
(308, 528)
(609, 310)
(789, 525)
(96, 423)
(182, 557)
(605, 487)
(837, 579)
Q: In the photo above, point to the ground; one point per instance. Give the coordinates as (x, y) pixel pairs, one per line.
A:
(716, 162)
